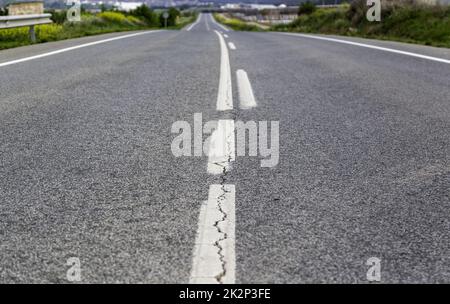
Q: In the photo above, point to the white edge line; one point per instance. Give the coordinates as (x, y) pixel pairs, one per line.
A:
(73, 48)
(219, 24)
(371, 47)
(195, 23)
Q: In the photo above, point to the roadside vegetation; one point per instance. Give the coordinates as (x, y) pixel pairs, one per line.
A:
(142, 18)
(236, 24)
(401, 20)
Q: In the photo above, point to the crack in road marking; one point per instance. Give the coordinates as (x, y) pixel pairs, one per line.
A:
(214, 252)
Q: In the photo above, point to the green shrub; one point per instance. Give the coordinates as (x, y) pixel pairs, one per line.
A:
(146, 14)
(58, 17)
(306, 8)
(14, 34)
(48, 32)
(174, 14)
(113, 17)
(400, 20)
(237, 24)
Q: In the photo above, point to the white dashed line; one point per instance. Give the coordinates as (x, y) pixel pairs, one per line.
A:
(74, 48)
(214, 258)
(221, 147)
(246, 96)
(225, 35)
(371, 47)
(231, 46)
(225, 94)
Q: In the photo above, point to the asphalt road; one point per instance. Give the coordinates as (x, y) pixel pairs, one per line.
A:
(86, 168)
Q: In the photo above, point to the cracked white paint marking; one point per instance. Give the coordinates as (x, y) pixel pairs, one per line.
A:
(225, 94)
(246, 96)
(221, 151)
(214, 260)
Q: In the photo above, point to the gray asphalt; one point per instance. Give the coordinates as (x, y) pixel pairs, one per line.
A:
(86, 168)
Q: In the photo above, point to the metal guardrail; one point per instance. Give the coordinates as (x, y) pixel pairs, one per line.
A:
(25, 20)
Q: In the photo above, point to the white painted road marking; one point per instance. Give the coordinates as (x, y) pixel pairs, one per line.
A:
(372, 47)
(74, 48)
(195, 23)
(218, 24)
(221, 147)
(225, 94)
(207, 24)
(231, 46)
(246, 97)
(214, 259)
(225, 35)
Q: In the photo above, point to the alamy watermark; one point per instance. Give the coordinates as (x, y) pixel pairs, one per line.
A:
(74, 12)
(189, 141)
(374, 11)
(374, 271)
(73, 274)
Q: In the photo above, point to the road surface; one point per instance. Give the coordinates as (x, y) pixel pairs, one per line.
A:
(87, 170)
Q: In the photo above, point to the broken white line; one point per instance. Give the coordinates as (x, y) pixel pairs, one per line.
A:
(246, 96)
(231, 46)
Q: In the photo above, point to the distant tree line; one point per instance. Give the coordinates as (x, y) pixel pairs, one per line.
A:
(154, 19)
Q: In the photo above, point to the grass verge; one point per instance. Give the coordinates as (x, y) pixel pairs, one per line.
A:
(421, 24)
(401, 21)
(90, 24)
(237, 24)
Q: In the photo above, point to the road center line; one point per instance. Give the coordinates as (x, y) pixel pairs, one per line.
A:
(207, 24)
(214, 258)
(74, 48)
(372, 47)
(225, 35)
(246, 96)
(231, 46)
(225, 94)
(221, 150)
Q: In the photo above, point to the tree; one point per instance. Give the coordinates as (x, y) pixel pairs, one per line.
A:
(172, 19)
(147, 14)
(306, 8)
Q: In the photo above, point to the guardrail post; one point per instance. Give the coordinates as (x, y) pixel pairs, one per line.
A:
(32, 34)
